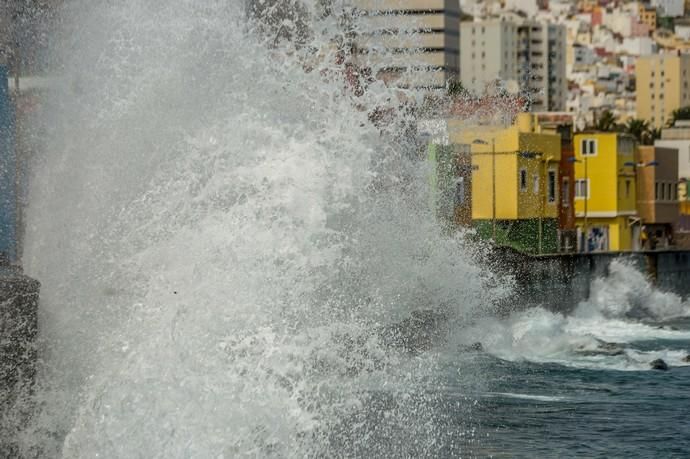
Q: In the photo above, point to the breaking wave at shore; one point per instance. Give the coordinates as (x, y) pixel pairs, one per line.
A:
(221, 234)
(623, 308)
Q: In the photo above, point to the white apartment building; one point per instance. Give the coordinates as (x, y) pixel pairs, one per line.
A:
(489, 54)
(671, 8)
(409, 43)
(541, 64)
(529, 55)
(637, 46)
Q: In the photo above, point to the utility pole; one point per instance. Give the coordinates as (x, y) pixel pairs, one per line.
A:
(584, 158)
(493, 183)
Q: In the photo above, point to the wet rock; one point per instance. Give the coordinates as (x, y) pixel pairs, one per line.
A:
(417, 333)
(603, 348)
(686, 359)
(474, 347)
(658, 364)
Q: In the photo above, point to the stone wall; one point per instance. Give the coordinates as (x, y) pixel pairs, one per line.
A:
(560, 282)
(18, 331)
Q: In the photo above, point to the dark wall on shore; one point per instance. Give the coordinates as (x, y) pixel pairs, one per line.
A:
(18, 330)
(560, 282)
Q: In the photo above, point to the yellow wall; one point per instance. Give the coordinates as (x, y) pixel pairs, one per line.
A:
(620, 231)
(607, 174)
(609, 205)
(511, 202)
(482, 190)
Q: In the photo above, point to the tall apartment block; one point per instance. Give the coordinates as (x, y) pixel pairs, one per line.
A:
(409, 43)
(661, 86)
(530, 55)
(489, 54)
(541, 65)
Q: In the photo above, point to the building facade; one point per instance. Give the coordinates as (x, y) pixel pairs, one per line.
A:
(605, 200)
(525, 55)
(657, 194)
(409, 43)
(662, 86)
(647, 15)
(542, 64)
(678, 137)
(489, 54)
(562, 124)
(451, 184)
(515, 182)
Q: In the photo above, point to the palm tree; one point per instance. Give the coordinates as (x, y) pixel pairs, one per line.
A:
(682, 113)
(456, 88)
(606, 122)
(638, 128)
(651, 136)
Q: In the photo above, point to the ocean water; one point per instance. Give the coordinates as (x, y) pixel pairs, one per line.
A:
(236, 255)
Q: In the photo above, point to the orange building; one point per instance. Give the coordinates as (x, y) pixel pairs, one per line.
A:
(657, 193)
(647, 15)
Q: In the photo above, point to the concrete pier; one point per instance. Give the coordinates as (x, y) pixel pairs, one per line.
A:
(18, 330)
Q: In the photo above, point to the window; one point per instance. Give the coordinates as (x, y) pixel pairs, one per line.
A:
(523, 180)
(669, 191)
(565, 189)
(582, 189)
(656, 191)
(589, 147)
(460, 192)
(535, 183)
(627, 188)
(551, 186)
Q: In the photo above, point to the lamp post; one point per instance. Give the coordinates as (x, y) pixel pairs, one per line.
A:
(493, 181)
(635, 166)
(586, 197)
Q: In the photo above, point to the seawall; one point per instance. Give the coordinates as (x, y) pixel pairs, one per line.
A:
(561, 281)
(18, 331)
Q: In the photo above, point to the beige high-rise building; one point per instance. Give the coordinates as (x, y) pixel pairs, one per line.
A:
(662, 86)
(409, 43)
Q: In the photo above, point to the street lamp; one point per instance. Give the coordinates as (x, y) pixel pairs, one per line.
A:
(586, 197)
(493, 181)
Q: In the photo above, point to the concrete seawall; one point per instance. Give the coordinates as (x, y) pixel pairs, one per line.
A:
(18, 330)
(561, 281)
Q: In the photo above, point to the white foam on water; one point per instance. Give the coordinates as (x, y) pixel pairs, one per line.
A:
(620, 311)
(539, 398)
(219, 231)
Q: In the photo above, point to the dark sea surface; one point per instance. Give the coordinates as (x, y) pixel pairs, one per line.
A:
(528, 409)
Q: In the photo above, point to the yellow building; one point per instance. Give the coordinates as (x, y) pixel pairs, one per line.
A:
(662, 86)
(605, 197)
(515, 176)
